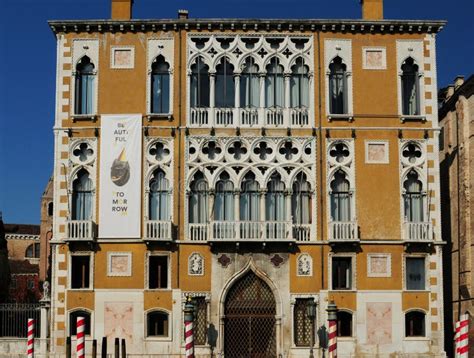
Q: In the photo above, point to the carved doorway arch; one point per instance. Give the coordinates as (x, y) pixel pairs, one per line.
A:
(250, 322)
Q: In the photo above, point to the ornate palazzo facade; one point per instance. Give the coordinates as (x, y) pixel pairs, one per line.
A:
(282, 162)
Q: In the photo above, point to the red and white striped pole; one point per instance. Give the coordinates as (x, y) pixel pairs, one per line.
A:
(80, 343)
(332, 323)
(31, 338)
(188, 328)
(456, 341)
(462, 337)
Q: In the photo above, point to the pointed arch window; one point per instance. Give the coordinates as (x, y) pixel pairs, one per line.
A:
(299, 84)
(413, 198)
(340, 197)
(224, 199)
(160, 86)
(301, 200)
(85, 82)
(225, 88)
(250, 199)
(82, 196)
(337, 87)
(198, 200)
(274, 84)
(410, 88)
(275, 199)
(249, 85)
(199, 84)
(159, 197)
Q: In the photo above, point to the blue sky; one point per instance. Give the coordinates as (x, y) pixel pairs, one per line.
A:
(28, 55)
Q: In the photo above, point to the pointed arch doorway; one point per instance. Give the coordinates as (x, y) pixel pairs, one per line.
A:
(250, 323)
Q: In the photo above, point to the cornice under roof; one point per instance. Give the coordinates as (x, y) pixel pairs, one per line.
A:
(341, 25)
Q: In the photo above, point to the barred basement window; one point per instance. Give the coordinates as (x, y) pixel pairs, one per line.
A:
(302, 323)
(200, 322)
(73, 322)
(415, 324)
(157, 324)
(80, 272)
(344, 324)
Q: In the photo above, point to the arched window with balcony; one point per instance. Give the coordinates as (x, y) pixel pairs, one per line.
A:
(160, 86)
(340, 197)
(249, 85)
(410, 88)
(225, 87)
(413, 198)
(250, 199)
(275, 206)
(274, 84)
(82, 196)
(198, 200)
(224, 199)
(299, 84)
(301, 208)
(337, 87)
(159, 197)
(199, 95)
(84, 86)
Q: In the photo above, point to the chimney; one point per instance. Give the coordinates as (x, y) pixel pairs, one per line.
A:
(372, 9)
(122, 9)
(183, 14)
(458, 82)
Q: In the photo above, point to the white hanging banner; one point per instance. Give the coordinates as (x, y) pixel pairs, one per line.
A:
(120, 176)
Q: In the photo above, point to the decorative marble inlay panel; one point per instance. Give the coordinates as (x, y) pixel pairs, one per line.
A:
(376, 152)
(379, 323)
(379, 265)
(305, 265)
(374, 58)
(123, 57)
(118, 320)
(195, 265)
(119, 264)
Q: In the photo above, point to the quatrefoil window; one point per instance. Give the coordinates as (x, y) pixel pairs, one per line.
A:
(263, 150)
(339, 152)
(159, 151)
(211, 150)
(288, 150)
(237, 150)
(83, 152)
(412, 152)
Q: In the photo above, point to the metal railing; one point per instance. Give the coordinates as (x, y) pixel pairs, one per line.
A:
(343, 231)
(158, 230)
(418, 231)
(81, 230)
(14, 318)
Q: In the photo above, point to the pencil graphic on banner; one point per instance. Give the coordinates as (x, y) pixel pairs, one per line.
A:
(120, 171)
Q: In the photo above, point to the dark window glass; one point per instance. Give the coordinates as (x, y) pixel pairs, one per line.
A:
(415, 273)
(341, 273)
(50, 209)
(340, 198)
(413, 198)
(302, 323)
(198, 200)
(225, 88)
(415, 324)
(157, 324)
(200, 322)
(85, 78)
(410, 88)
(82, 197)
(224, 199)
(158, 199)
(344, 324)
(274, 84)
(80, 271)
(73, 322)
(249, 85)
(337, 87)
(160, 86)
(299, 85)
(199, 84)
(158, 272)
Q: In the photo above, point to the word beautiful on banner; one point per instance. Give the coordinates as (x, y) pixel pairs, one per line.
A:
(120, 176)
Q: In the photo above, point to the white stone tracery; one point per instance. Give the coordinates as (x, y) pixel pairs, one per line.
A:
(262, 156)
(212, 48)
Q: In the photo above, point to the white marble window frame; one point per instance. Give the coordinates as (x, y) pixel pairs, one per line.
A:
(427, 271)
(353, 257)
(127, 273)
(365, 50)
(91, 270)
(114, 66)
(169, 337)
(147, 268)
(388, 269)
(68, 321)
(385, 160)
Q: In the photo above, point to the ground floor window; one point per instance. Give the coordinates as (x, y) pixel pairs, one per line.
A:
(344, 324)
(302, 329)
(73, 322)
(415, 324)
(157, 324)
